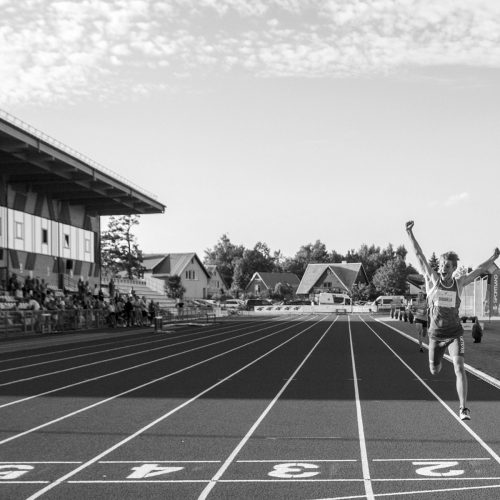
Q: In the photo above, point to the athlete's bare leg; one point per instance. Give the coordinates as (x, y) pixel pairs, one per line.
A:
(459, 366)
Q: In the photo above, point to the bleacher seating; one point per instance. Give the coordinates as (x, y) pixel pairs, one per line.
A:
(141, 289)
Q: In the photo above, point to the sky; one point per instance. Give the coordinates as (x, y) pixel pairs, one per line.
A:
(275, 121)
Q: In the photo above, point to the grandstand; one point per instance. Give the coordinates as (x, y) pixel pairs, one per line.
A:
(51, 201)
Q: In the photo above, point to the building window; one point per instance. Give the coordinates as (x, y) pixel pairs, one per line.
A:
(19, 230)
(45, 236)
(66, 241)
(190, 275)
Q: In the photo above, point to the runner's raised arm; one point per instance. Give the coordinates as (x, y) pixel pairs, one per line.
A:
(429, 274)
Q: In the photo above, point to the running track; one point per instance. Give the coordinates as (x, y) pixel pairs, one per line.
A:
(316, 407)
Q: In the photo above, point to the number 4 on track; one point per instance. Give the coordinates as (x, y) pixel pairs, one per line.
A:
(151, 470)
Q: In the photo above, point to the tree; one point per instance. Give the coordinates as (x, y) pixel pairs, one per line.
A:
(310, 253)
(258, 259)
(434, 261)
(390, 279)
(119, 248)
(224, 255)
(174, 288)
(282, 291)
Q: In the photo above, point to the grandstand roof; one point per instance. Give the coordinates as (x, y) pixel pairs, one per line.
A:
(345, 273)
(30, 157)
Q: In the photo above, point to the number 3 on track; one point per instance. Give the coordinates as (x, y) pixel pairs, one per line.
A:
(431, 467)
(293, 470)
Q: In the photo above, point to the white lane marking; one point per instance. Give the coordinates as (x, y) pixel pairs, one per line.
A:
(423, 459)
(128, 346)
(159, 461)
(488, 449)
(478, 373)
(416, 492)
(133, 367)
(291, 460)
(361, 432)
(168, 414)
(98, 403)
(252, 429)
(106, 360)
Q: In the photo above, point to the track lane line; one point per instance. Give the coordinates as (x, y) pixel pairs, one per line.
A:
(488, 449)
(128, 346)
(478, 373)
(128, 391)
(95, 459)
(93, 379)
(361, 431)
(146, 351)
(229, 460)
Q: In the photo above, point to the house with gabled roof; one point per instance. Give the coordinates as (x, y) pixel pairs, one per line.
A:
(415, 283)
(262, 283)
(332, 277)
(194, 275)
(216, 284)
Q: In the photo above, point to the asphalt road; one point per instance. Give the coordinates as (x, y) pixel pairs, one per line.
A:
(314, 407)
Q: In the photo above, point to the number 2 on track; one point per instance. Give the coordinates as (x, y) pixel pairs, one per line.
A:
(432, 466)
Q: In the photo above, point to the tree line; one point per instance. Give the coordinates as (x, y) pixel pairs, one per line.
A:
(386, 268)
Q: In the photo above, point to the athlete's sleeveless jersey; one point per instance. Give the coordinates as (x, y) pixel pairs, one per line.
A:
(444, 303)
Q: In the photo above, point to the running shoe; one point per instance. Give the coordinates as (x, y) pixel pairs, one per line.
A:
(464, 413)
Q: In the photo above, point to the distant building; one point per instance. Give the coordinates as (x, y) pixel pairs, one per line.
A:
(415, 284)
(216, 284)
(335, 278)
(194, 275)
(262, 283)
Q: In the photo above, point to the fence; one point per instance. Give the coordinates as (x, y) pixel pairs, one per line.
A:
(33, 322)
(24, 322)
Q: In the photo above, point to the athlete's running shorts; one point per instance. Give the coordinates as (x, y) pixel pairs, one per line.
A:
(421, 322)
(437, 348)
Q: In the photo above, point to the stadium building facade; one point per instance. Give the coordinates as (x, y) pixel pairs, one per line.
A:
(51, 202)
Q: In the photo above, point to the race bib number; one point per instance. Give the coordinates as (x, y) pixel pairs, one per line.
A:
(445, 298)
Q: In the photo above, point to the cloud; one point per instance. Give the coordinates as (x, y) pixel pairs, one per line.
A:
(60, 49)
(455, 199)
(452, 200)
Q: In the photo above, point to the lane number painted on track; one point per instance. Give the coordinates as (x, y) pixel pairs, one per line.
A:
(431, 467)
(12, 471)
(293, 470)
(151, 470)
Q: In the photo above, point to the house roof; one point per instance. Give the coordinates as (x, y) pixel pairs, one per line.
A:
(212, 268)
(346, 273)
(272, 279)
(175, 263)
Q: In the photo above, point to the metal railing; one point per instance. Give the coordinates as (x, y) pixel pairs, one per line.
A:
(33, 322)
(27, 322)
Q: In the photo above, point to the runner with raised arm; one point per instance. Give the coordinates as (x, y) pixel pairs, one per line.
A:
(443, 300)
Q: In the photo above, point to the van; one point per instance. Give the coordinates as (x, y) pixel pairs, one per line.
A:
(388, 302)
(336, 299)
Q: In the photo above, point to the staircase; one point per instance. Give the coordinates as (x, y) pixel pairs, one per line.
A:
(151, 288)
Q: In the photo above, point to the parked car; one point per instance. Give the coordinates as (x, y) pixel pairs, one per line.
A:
(234, 304)
(250, 304)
